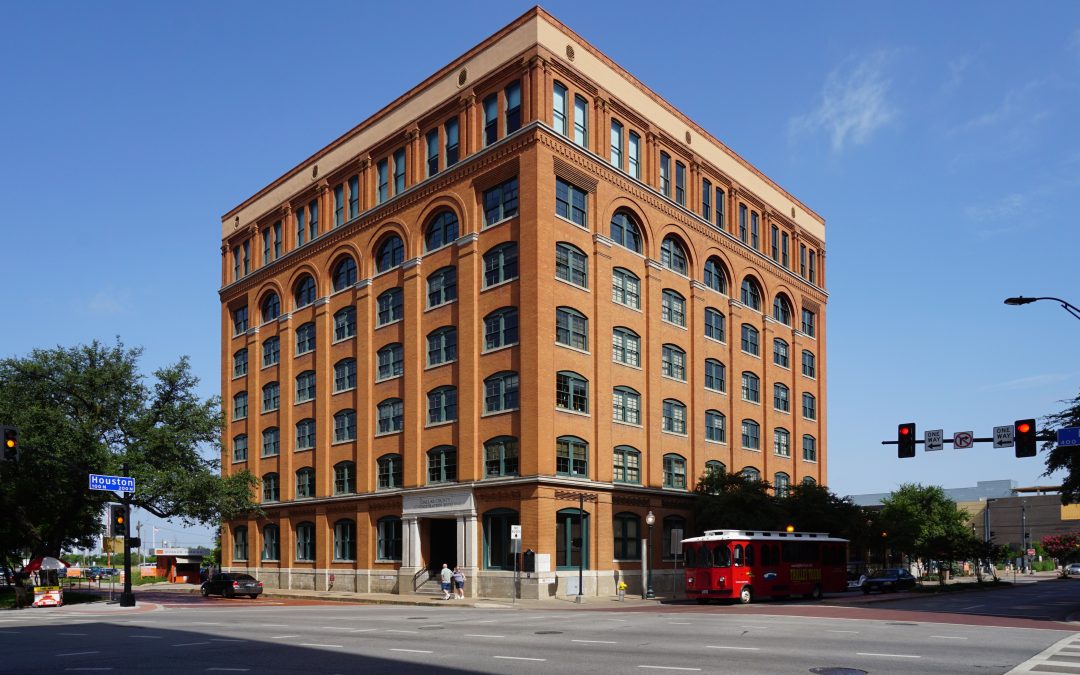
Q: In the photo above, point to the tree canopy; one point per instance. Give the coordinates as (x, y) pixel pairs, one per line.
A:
(87, 409)
(923, 521)
(1065, 459)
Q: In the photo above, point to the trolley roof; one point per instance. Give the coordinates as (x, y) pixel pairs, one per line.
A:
(763, 535)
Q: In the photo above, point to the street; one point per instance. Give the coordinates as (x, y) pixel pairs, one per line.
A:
(979, 632)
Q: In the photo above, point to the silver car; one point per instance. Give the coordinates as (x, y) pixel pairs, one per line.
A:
(1073, 569)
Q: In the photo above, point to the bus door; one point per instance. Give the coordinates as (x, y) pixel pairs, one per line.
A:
(740, 573)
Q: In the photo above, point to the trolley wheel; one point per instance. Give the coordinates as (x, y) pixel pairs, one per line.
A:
(746, 596)
(702, 601)
(205, 591)
(816, 593)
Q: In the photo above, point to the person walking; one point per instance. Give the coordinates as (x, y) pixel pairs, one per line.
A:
(459, 583)
(445, 577)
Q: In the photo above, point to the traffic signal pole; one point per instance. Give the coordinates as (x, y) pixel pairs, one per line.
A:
(127, 597)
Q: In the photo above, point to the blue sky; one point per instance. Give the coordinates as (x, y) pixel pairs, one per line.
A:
(939, 141)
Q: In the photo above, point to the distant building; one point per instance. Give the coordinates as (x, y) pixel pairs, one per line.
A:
(527, 284)
(984, 489)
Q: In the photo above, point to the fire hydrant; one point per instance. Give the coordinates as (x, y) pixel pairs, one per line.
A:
(622, 591)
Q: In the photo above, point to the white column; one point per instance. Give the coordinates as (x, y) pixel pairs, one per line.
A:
(411, 535)
(472, 554)
(462, 552)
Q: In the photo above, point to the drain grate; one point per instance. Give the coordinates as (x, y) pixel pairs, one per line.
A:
(549, 632)
(831, 670)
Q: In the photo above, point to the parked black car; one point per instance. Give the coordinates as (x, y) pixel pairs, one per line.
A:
(231, 585)
(893, 579)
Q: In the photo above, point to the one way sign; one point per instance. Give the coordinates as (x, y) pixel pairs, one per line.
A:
(1003, 437)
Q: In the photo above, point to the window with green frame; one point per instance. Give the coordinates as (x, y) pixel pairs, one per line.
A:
(497, 554)
(571, 539)
(627, 535)
(572, 457)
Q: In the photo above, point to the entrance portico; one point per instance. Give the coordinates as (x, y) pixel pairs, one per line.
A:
(429, 539)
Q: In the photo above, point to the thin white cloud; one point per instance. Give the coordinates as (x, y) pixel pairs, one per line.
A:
(1029, 382)
(1010, 206)
(854, 104)
(108, 303)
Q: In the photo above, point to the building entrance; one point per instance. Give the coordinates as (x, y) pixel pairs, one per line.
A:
(442, 543)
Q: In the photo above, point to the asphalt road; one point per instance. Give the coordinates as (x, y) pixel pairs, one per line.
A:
(245, 636)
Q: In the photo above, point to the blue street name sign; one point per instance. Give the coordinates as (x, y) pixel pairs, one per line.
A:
(114, 483)
(1069, 436)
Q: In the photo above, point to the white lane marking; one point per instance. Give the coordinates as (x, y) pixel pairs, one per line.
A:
(312, 644)
(190, 644)
(9, 632)
(517, 658)
(77, 653)
(230, 670)
(205, 623)
(597, 642)
(679, 623)
(893, 656)
(6, 620)
(669, 668)
(363, 630)
(948, 637)
(400, 631)
(753, 626)
(745, 649)
(335, 628)
(87, 668)
(484, 636)
(854, 632)
(274, 625)
(282, 637)
(485, 621)
(412, 651)
(971, 607)
(622, 620)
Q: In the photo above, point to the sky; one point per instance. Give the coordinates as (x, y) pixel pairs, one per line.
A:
(940, 142)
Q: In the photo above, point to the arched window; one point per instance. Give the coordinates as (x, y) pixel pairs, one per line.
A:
(781, 397)
(715, 468)
(391, 306)
(501, 264)
(715, 426)
(809, 448)
(809, 364)
(271, 548)
(751, 435)
(781, 484)
(271, 489)
(715, 275)
(441, 230)
(305, 434)
(305, 338)
(442, 286)
(625, 231)
(501, 392)
(271, 307)
(673, 362)
(345, 540)
(809, 480)
(442, 346)
(345, 426)
(781, 309)
(627, 465)
(391, 361)
(390, 471)
(782, 442)
(305, 483)
(345, 375)
(390, 254)
(240, 448)
(501, 328)
(571, 457)
(674, 471)
(715, 375)
(750, 473)
(674, 420)
(750, 340)
(344, 273)
(571, 539)
(715, 325)
(305, 541)
(750, 294)
(345, 324)
(571, 391)
(627, 532)
(625, 288)
(626, 405)
(781, 353)
(501, 457)
(442, 405)
(271, 442)
(305, 291)
(240, 542)
(240, 406)
(571, 328)
(673, 307)
(305, 386)
(388, 539)
(391, 416)
(809, 406)
(571, 264)
(344, 478)
(442, 464)
(625, 346)
(497, 549)
(673, 255)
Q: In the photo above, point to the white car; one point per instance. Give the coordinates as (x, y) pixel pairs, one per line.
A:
(1073, 569)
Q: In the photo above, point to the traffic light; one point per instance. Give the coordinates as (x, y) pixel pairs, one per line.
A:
(905, 440)
(117, 520)
(1024, 438)
(10, 450)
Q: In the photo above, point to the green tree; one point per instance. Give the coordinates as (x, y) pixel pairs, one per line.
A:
(1064, 459)
(1063, 547)
(920, 520)
(732, 501)
(87, 409)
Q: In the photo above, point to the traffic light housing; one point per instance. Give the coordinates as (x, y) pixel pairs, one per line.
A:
(9, 452)
(905, 440)
(1024, 438)
(117, 520)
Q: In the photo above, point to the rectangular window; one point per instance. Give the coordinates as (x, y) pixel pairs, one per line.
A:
(802, 260)
(633, 155)
(240, 320)
(313, 220)
(354, 197)
(277, 240)
(742, 224)
(680, 183)
(450, 129)
(809, 322)
(271, 351)
(785, 259)
(626, 347)
(581, 121)
(236, 263)
(247, 257)
(383, 169)
(809, 367)
(267, 238)
(513, 107)
(774, 243)
(570, 202)
(665, 174)
(558, 109)
(720, 209)
(339, 205)
(432, 140)
(616, 144)
(501, 202)
(301, 226)
(399, 171)
(491, 119)
(813, 268)
(754, 241)
(706, 199)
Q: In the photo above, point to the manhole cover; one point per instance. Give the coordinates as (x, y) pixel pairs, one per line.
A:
(829, 670)
(549, 632)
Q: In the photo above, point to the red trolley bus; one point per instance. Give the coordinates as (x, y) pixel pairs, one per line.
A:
(747, 564)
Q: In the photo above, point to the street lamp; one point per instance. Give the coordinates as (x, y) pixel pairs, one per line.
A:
(649, 520)
(1021, 300)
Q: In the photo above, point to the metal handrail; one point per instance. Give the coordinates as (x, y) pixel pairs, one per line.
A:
(427, 573)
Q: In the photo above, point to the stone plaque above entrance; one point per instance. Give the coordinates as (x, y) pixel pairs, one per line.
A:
(437, 502)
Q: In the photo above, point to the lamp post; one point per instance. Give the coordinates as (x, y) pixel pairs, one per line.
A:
(1021, 300)
(650, 519)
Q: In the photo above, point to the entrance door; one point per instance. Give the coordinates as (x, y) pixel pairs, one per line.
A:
(442, 543)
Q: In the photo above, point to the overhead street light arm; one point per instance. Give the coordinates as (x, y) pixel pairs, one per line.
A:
(1068, 307)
